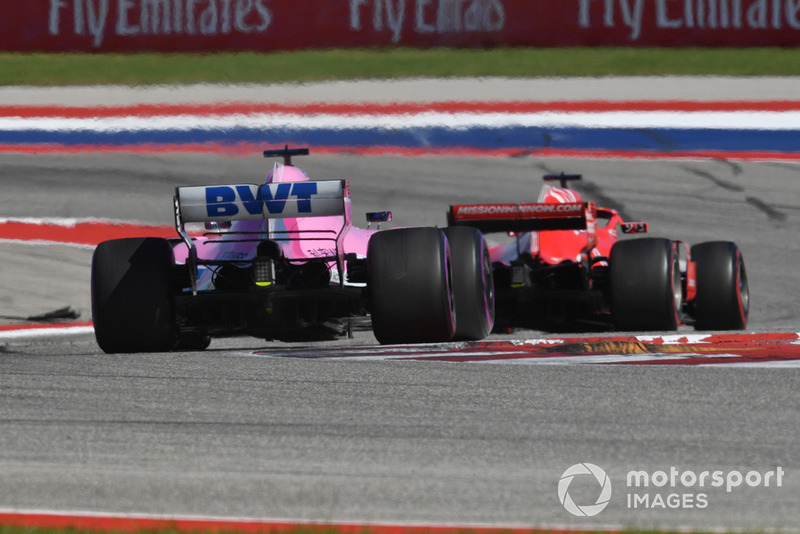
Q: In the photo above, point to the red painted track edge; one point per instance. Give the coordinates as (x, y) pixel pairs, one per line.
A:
(88, 232)
(34, 326)
(134, 523)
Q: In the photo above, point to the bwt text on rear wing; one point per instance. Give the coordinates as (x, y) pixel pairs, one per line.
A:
(531, 217)
(207, 203)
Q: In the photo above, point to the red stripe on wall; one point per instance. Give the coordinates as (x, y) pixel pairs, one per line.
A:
(244, 149)
(244, 108)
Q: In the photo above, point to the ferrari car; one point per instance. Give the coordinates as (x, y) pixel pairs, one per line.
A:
(562, 267)
(284, 261)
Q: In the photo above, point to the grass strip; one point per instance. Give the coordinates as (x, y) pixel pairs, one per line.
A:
(303, 66)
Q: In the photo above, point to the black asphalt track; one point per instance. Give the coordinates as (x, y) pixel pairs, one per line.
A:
(226, 433)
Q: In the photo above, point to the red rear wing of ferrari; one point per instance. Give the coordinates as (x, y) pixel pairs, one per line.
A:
(531, 217)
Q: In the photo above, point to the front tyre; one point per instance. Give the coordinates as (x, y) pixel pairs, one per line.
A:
(645, 282)
(473, 284)
(132, 307)
(723, 296)
(409, 285)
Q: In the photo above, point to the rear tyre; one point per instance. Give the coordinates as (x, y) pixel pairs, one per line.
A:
(409, 285)
(132, 307)
(723, 296)
(645, 281)
(193, 342)
(473, 284)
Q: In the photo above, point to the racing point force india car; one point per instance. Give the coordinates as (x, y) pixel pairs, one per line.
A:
(284, 261)
(566, 270)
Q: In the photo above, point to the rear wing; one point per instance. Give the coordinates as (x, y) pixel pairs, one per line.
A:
(489, 218)
(207, 203)
(222, 203)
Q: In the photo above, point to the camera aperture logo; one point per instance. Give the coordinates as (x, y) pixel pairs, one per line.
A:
(587, 510)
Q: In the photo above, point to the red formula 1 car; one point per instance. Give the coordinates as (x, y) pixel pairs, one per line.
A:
(564, 269)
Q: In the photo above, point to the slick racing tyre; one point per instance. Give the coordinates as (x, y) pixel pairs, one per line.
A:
(193, 342)
(132, 305)
(645, 281)
(409, 286)
(723, 297)
(473, 285)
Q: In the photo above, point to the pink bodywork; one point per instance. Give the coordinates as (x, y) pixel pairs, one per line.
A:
(319, 235)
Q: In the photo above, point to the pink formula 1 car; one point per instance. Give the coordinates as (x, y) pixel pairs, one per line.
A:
(284, 261)
(564, 269)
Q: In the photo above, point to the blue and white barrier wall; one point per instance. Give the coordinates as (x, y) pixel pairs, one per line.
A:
(646, 129)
